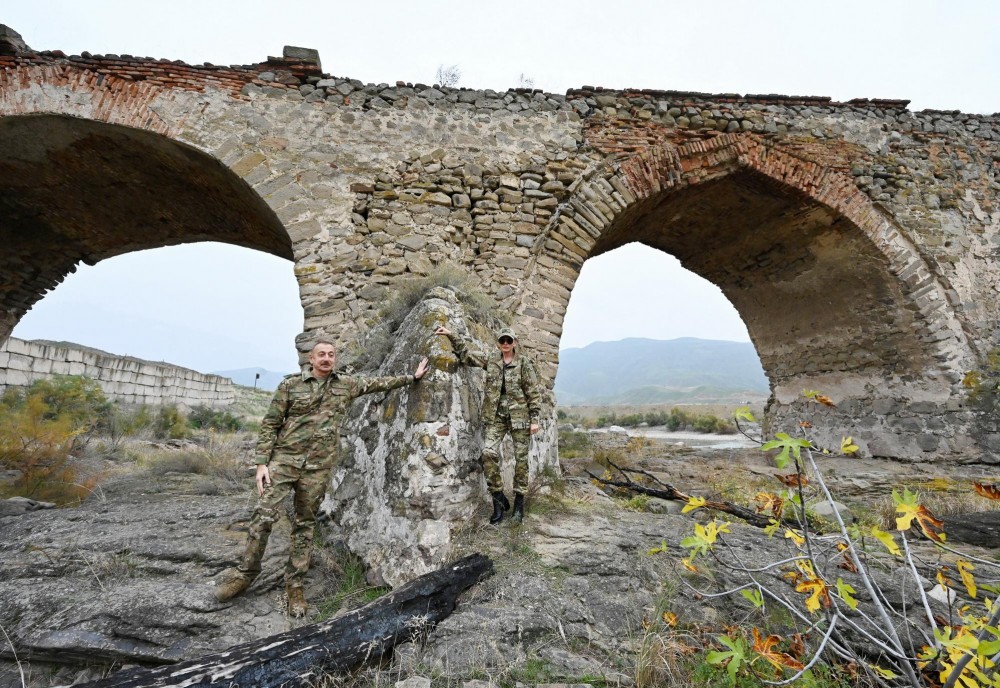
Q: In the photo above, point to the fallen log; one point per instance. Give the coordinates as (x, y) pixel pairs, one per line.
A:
(302, 656)
(670, 492)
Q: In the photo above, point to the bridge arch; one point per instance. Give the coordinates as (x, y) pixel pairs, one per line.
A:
(835, 297)
(74, 190)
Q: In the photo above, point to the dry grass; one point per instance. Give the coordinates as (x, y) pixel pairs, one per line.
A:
(224, 464)
(373, 348)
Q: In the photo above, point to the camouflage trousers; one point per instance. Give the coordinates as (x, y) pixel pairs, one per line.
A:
(309, 487)
(496, 429)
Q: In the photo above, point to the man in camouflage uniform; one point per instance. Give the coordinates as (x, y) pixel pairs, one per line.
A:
(511, 404)
(296, 449)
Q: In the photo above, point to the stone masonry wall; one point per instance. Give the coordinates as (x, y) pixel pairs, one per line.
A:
(124, 379)
(859, 240)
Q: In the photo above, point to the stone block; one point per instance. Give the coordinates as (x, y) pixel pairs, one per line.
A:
(17, 346)
(60, 367)
(20, 362)
(15, 378)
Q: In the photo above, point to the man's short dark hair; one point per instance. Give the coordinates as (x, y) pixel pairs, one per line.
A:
(322, 341)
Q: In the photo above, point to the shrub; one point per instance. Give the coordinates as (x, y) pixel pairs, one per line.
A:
(170, 423)
(121, 422)
(573, 444)
(677, 419)
(207, 418)
(38, 431)
(73, 397)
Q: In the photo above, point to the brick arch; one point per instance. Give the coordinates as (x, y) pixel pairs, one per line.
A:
(75, 189)
(833, 293)
(207, 110)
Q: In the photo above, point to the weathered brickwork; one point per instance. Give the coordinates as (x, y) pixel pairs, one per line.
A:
(123, 379)
(858, 240)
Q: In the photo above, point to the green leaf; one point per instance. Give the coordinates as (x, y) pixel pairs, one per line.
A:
(743, 413)
(755, 597)
(788, 445)
(732, 659)
(657, 550)
(846, 593)
(988, 648)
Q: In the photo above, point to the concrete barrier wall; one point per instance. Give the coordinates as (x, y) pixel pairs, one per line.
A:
(123, 379)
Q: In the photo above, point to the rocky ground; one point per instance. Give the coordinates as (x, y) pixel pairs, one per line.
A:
(127, 577)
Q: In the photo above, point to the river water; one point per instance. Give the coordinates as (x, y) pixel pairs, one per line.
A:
(706, 440)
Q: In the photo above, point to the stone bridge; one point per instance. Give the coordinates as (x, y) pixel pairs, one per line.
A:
(858, 240)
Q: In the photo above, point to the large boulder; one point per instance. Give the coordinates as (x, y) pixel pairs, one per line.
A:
(410, 473)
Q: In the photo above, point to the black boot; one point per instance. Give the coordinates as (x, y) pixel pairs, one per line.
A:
(518, 515)
(500, 505)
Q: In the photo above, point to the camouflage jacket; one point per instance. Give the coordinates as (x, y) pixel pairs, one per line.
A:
(518, 379)
(306, 412)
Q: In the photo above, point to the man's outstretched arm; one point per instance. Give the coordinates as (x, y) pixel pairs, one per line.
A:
(370, 385)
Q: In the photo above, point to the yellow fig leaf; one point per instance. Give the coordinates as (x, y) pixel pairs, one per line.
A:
(965, 571)
(886, 540)
(847, 446)
(794, 537)
(818, 594)
(806, 567)
(743, 413)
(884, 673)
(704, 537)
(906, 507)
(693, 503)
(962, 642)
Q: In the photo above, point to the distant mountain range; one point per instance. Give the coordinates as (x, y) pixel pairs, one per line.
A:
(245, 376)
(650, 371)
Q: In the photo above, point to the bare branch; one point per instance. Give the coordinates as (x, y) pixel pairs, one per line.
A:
(448, 76)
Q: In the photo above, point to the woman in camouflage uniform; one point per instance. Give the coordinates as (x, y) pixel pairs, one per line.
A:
(511, 405)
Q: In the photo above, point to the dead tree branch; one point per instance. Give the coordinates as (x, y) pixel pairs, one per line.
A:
(299, 657)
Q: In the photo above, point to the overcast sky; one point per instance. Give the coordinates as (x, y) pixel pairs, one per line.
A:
(197, 306)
